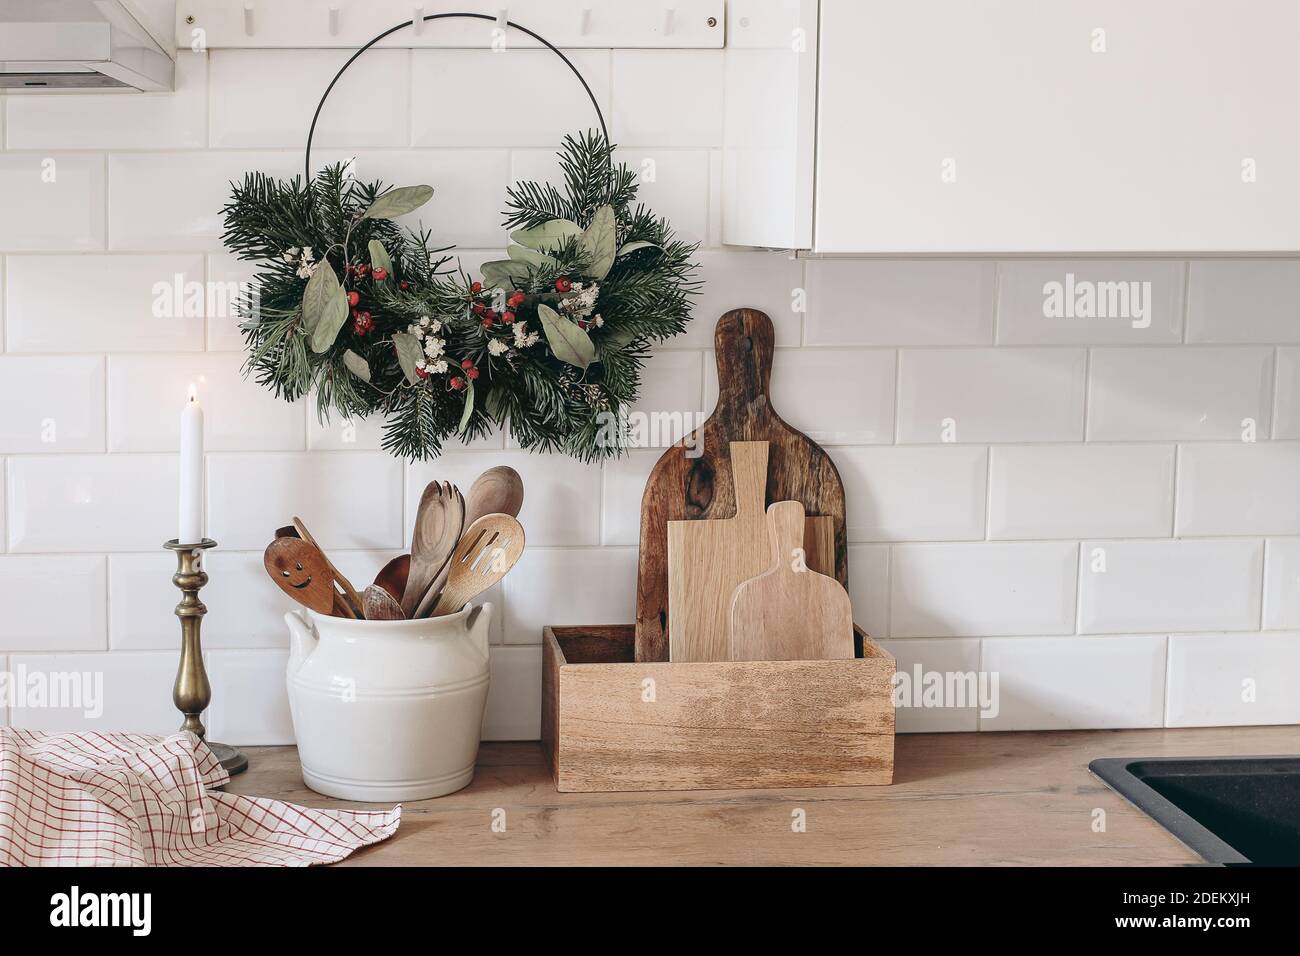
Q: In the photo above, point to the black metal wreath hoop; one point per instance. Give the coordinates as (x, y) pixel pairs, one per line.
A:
(446, 16)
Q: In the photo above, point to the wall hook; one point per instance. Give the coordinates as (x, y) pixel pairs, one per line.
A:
(334, 19)
(670, 14)
(248, 18)
(417, 20)
(503, 18)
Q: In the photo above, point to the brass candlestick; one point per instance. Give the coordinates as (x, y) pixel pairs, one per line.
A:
(192, 692)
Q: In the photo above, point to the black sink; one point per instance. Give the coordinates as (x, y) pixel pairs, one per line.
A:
(1227, 809)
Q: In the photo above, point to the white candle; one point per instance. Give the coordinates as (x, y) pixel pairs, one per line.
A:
(191, 499)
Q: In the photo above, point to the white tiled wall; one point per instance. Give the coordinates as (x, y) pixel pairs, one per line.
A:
(1107, 516)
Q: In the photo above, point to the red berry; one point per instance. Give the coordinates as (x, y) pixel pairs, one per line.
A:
(363, 324)
(582, 324)
(516, 299)
(488, 322)
(476, 287)
(380, 275)
(404, 285)
(362, 269)
(477, 308)
(507, 317)
(421, 372)
(466, 363)
(562, 284)
(457, 383)
(490, 314)
(354, 298)
(472, 373)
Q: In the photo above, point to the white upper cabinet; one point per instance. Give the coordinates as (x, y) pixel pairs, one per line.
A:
(1005, 126)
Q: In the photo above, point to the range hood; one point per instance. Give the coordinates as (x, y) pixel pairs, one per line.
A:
(87, 45)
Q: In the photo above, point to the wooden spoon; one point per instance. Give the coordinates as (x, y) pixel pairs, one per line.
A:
(353, 599)
(392, 576)
(301, 571)
(489, 549)
(499, 490)
(380, 606)
(438, 524)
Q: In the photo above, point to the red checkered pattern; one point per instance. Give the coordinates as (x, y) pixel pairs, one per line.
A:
(135, 800)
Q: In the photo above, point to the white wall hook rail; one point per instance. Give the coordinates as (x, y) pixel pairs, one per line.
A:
(417, 20)
(249, 28)
(334, 19)
(503, 18)
(670, 14)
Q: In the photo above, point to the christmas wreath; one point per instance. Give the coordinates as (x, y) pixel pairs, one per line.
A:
(375, 321)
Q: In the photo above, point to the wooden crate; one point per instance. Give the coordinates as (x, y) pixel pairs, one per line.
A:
(611, 724)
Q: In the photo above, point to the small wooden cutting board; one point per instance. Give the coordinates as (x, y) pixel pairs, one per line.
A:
(707, 559)
(790, 612)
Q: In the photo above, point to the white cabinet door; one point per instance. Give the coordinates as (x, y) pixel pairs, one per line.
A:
(974, 126)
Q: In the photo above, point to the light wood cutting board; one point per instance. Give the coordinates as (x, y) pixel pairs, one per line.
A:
(790, 612)
(707, 559)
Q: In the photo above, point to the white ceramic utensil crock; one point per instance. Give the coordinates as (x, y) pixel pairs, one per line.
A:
(388, 710)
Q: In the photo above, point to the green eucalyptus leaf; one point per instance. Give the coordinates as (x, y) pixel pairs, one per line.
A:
(408, 353)
(531, 257)
(379, 257)
(495, 403)
(333, 315)
(627, 247)
(598, 243)
(315, 298)
(357, 365)
(616, 341)
(469, 407)
(549, 236)
(398, 202)
(503, 273)
(569, 343)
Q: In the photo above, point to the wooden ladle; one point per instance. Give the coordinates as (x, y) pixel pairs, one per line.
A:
(489, 549)
(438, 524)
(301, 571)
(392, 576)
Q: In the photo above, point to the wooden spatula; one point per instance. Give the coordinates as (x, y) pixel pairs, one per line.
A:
(380, 606)
(301, 571)
(707, 559)
(790, 612)
(489, 548)
(438, 524)
(351, 597)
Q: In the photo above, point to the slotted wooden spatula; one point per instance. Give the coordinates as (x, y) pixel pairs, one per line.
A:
(438, 523)
(790, 612)
(707, 559)
(488, 549)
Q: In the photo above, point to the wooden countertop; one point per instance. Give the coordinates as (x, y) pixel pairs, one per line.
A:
(958, 799)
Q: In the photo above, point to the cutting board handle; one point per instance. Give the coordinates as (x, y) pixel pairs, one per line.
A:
(749, 476)
(785, 521)
(743, 341)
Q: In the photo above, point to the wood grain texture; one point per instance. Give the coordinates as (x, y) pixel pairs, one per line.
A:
(710, 725)
(684, 485)
(789, 612)
(708, 559)
(987, 799)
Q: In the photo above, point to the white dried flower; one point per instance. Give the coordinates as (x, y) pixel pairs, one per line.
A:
(434, 347)
(497, 347)
(424, 321)
(421, 364)
(438, 367)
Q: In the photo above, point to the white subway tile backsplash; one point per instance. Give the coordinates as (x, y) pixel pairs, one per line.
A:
(1240, 488)
(1287, 422)
(103, 303)
(869, 588)
(514, 704)
(52, 603)
(569, 586)
(671, 402)
(666, 98)
(991, 395)
(173, 201)
(250, 705)
(239, 414)
(171, 120)
(346, 501)
(973, 590)
(1187, 585)
(1090, 301)
(624, 482)
(1081, 491)
(344, 434)
(367, 107)
(1219, 680)
(1243, 300)
(948, 657)
(495, 79)
(899, 302)
(835, 397)
(119, 692)
(229, 279)
(52, 202)
(767, 281)
(91, 502)
(1186, 394)
(561, 495)
(1073, 683)
(1282, 584)
(52, 404)
(896, 493)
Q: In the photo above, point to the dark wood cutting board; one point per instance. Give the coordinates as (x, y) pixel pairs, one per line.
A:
(684, 488)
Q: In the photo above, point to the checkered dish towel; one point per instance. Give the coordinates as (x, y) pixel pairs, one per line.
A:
(89, 799)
